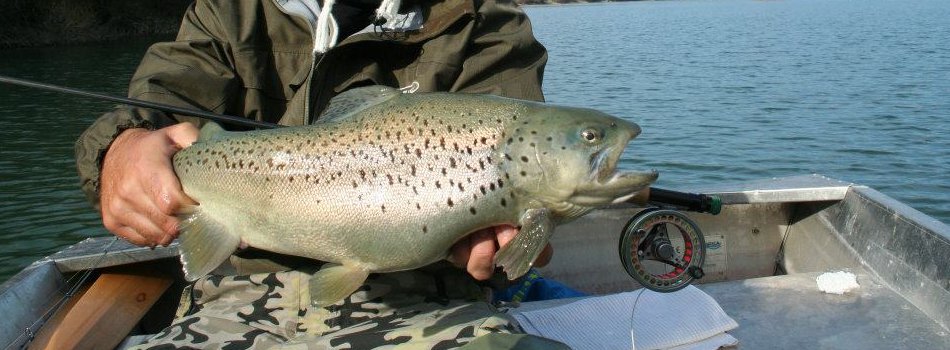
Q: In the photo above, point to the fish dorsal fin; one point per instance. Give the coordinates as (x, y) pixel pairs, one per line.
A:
(353, 101)
(212, 131)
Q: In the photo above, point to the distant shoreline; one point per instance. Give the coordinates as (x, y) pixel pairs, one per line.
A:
(39, 23)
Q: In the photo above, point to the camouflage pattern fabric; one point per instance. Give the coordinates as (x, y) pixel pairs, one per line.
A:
(412, 309)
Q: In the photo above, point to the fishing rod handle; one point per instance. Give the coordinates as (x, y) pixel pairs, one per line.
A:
(690, 201)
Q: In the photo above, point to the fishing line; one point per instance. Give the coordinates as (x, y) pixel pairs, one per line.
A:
(633, 312)
(71, 289)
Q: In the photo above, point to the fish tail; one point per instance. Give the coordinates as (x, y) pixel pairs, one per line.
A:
(204, 242)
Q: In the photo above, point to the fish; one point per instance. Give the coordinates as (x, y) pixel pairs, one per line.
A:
(386, 181)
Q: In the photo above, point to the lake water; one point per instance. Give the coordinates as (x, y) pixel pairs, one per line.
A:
(726, 91)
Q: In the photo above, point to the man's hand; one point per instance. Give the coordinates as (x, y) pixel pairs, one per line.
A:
(139, 192)
(476, 252)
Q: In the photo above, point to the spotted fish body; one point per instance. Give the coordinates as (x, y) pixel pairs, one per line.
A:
(389, 181)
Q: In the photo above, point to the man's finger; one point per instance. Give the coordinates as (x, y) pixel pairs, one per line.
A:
(545, 257)
(130, 234)
(505, 234)
(481, 262)
(142, 225)
(182, 134)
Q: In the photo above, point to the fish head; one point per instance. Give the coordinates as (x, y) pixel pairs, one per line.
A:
(567, 159)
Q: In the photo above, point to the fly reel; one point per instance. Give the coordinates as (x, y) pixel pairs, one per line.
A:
(663, 250)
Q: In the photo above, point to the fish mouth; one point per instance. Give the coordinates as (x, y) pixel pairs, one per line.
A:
(607, 184)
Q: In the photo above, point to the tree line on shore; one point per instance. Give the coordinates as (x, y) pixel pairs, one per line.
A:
(28, 23)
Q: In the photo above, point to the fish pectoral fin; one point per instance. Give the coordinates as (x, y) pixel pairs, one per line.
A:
(334, 282)
(519, 254)
(203, 243)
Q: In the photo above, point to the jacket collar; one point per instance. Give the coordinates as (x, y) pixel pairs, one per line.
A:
(419, 23)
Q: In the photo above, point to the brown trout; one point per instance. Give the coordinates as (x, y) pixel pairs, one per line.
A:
(387, 181)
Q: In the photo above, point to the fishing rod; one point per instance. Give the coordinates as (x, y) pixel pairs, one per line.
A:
(221, 118)
(688, 201)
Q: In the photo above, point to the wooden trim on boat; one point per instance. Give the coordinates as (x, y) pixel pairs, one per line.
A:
(101, 317)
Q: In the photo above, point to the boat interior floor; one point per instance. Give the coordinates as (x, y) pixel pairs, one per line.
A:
(789, 312)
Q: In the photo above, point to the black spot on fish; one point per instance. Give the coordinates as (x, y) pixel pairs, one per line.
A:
(383, 207)
(290, 179)
(523, 173)
(461, 188)
(452, 163)
(471, 210)
(438, 184)
(501, 184)
(524, 159)
(425, 229)
(482, 188)
(412, 169)
(504, 203)
(450, 203)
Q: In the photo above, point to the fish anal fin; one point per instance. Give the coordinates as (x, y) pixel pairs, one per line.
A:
(203, 243)
(519, 254)
(334, 283)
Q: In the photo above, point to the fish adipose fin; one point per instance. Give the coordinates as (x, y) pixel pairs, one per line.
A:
(204, 243)
(334, 282)
(519, 254)
(212, 131)
(351, 102)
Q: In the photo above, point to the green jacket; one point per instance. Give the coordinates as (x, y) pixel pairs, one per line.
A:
(256, 59)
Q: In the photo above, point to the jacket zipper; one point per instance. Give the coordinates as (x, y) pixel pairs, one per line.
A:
(304, 118)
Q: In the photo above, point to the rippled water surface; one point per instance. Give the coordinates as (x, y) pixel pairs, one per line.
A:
(725, 91)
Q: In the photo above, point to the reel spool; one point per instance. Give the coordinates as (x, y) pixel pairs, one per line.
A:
(663, 250)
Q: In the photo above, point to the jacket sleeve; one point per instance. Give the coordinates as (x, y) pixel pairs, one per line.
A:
(193, 72)
(503, 58)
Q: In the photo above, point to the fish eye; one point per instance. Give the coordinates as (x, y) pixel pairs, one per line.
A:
(590, 135)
